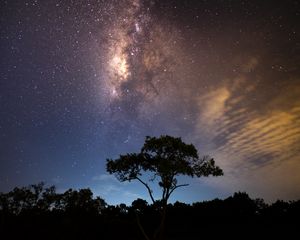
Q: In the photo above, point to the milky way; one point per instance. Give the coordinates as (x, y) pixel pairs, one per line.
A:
(82, 81)
(140, 55)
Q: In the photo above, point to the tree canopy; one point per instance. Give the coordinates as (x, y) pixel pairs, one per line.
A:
(164, 158)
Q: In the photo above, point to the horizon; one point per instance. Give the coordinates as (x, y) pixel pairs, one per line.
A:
(148, 200)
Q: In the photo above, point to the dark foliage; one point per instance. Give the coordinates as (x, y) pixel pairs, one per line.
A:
(36, 212)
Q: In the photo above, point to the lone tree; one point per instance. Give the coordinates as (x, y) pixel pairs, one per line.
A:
(164, 158)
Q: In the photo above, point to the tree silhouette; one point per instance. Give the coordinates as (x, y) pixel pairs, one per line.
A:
(164, 158)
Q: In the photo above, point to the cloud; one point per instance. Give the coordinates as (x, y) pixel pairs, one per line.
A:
(131, 195)
(56, 179)
(213, 106)
(268, 138)
(256, 142)
(116, 194)
(105, 177)
(237, 128)
(250, 65)
(109, 189)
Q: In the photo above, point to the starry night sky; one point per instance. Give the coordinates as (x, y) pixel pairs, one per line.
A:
(86, 80)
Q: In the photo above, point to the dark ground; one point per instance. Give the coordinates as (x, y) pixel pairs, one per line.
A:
(37, 213)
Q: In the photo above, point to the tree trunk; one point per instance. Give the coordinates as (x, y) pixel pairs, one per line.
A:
(160, 232)
(141, 227)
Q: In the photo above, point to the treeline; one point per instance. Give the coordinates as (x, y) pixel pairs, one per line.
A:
(38, 199)
(40, 212)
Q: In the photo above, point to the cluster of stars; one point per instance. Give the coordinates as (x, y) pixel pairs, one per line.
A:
(82, 81)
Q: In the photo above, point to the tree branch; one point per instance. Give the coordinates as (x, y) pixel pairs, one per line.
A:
(148, 188)
(178, 186)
